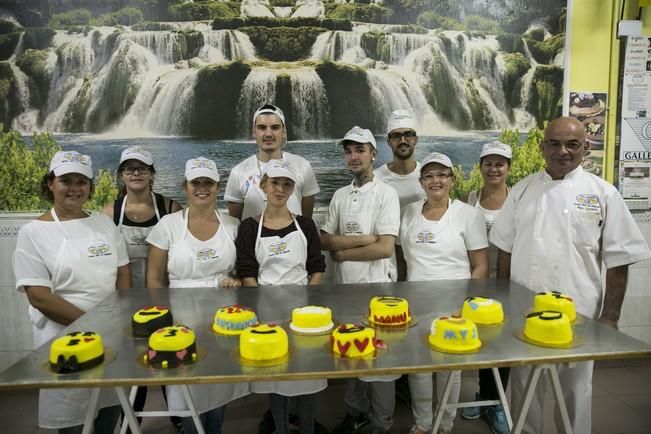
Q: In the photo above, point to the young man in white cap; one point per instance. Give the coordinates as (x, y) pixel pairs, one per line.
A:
(243, 194)
(360, 231)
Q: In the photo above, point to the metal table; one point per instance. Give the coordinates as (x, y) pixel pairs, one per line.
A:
(309, 358)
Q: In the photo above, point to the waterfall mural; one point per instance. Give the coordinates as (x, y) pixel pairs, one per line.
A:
(458, 66)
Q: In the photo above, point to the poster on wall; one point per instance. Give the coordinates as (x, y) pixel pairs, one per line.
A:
(590, 109)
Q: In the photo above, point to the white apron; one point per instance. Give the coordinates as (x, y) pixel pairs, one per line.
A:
(135, 238)
(203, 264)
(282, 261)
(360, 220)
(82, 278)
(435, 250)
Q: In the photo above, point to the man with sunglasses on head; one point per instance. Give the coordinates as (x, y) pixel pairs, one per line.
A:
(243, 194)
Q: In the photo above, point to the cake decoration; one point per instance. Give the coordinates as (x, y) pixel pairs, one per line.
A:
(548, 328)
(171, 346)
(555, 301)
(311, 319)
(389, 311)
(76, 351)
(233, 320)
(482, 311)
(149, 319)
(264, 342)
(353, 340)
(454, 335)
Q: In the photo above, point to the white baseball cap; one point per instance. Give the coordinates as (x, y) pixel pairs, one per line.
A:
(359, 135)
(65, 162)
(496, 148)
(401, 119)
(280, 168)
(436, 157)
(269, 109)
(137, 153)
(201, 166)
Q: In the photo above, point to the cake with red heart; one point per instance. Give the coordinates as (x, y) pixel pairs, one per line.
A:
(76, 351)
(171, 346)
(352, 340)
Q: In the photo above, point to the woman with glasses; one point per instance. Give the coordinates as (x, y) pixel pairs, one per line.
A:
(138, 208)
(441, 238)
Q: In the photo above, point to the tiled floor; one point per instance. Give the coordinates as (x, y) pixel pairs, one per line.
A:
(621, 405)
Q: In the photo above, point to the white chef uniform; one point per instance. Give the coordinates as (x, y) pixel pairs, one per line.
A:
(407, 186)
(78, 259)
(558, 234)
(193, 263)
(490, 215)
(281, 261)
(243, 184)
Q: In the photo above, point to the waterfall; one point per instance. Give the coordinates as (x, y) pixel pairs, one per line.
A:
(339, 46)
(527, 78)
(226, 45)
(258, 88)
(400, 45)
(167, 46)
(21, 82)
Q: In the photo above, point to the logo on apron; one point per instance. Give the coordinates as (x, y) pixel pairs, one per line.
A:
(588, 203)
(425, 237)
(353, 228)
(99, 249)
(139, 240)
(278, 248)
(206, 255)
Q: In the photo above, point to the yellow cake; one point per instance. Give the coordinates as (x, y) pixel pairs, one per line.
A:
(232, 320)
(554, 300)
(352, 340)
(454, 334)
(391, 311)
(76, 351)
(264, 342)
(311, 319)
(171, 346)
(482, 311)
(548, 327)
(149, 319)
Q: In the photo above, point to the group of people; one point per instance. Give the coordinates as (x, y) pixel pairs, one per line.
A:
(396, 222)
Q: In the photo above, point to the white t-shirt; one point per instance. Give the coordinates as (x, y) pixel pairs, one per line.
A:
(559, 232)
(408, 186)
(247, 174)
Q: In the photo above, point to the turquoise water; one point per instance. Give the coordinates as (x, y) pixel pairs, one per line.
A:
(170, 154)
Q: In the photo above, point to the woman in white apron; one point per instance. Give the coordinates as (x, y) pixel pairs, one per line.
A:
(495, 166)
(440, 239)
(195, 248)
(63, 280)
(282, 249)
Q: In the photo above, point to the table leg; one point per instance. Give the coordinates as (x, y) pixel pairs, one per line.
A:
(441, 406)
(90, 412)
(500, 391)
(532, 382)
(128, 411)
(193, 410)
(560, 399)
(132, 398)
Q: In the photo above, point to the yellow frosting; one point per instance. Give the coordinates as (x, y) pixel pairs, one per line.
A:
(84, 346)
(482, 310)
(172, 338)
(353, 340)
(311, 319)
(554, 300)
(387, 310)
(150, 313)
(264, 342)
(454, 334)
(548, 327)
(233, 320)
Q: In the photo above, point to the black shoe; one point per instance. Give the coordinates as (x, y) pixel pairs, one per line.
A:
(351, 424)
(267, 425)
(402, 391)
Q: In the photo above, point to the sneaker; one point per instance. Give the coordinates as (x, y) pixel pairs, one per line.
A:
(416, 430)
(472, 413)
(496, 419)
(351, 424)
(267, 425)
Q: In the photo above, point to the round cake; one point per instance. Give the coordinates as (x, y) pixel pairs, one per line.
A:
(171, 346)
(483, 311)
(554, 300)
(76, 351)
(453, 334)
(390, 311)
(264, 342)
(548, 327)
(352, 340)
(149, 319)
(232, 320)
(311, 319)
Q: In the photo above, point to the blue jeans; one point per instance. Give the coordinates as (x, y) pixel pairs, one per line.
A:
(211, 420)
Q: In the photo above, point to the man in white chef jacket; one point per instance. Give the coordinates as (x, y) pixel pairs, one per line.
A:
(243, 194)
(557, 230)
(360, 230)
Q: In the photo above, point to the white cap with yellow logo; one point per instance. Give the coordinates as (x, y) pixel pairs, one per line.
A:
(65, 162)
(201, 166)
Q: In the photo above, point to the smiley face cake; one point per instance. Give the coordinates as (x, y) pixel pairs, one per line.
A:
(233, 320)
(76, 351)
(149, 319)
(554, 300)
(353, 340)
(264, 342)
(311, 319)
(549, 328)
(171, 346)
(389, 311)
(453, 334)
(483, 311)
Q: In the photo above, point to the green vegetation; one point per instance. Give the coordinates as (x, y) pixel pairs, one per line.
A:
(153, 26)
(38, 38)
(203, 11)
(221, 23)
(7, 101)
(283, 43)
(282, 3)
(481, 24)
(106, 190)
(359, 12)
(511, 43)
(546, 51)
(8, 45)
(516, 66)
(75, 17)
(7, 26)
(546, 93)
(126, 16)
(34, 64)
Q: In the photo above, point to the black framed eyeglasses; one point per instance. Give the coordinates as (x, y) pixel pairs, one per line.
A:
(409, 134)
(130, 170)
